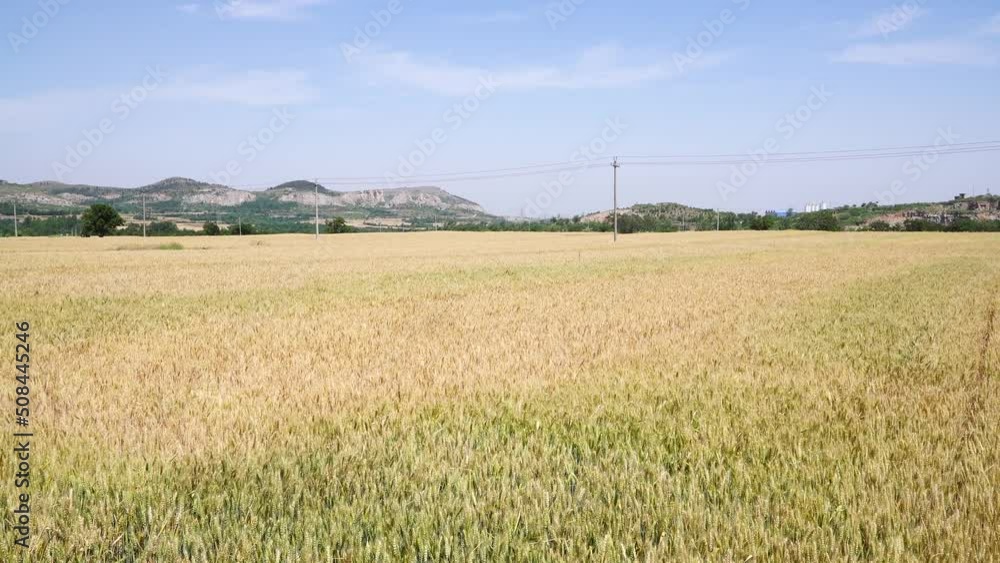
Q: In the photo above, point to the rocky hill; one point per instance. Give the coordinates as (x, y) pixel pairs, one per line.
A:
(981, 208)
(675, 212)
(187, 200)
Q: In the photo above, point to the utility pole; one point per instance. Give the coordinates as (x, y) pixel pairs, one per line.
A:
(717, 220)
(616, 165)
(143, 215)
(240, 219)
(15, 218)
(316, 186)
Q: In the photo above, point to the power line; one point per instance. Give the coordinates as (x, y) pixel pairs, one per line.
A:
(563, 164)
(616, 165)
(783, 159)
(908, 148)
(666, 160)
(531, 168)
(411, 180)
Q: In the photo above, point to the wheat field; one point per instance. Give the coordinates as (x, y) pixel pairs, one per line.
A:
(528, 397)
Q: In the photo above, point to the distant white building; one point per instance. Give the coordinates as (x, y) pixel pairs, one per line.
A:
(814, 207)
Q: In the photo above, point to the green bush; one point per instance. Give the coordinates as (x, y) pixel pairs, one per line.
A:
(819, 221)
(242, 229)
(338, 225)
(762, 223)
(162, 229)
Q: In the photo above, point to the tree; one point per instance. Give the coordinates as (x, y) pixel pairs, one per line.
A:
(819, 221)
(921, 225)
(242, 229)
(337, 225)
(211, 229)
(100, 220)
(162, 229)
(761, 222)
(131, 230)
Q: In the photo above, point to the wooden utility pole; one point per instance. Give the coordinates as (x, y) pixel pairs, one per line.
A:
(616, 165)
(143, 215)
(15, 218)
(316, 186)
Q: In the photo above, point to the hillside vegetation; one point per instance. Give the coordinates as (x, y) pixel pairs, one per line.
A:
(283, 208)
(186, 205)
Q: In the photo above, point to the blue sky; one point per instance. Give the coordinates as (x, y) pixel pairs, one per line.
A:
(255, 92)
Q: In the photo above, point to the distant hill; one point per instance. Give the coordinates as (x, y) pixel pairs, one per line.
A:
(186, 200)
(300, 186)
(675, 212)
(981, 208)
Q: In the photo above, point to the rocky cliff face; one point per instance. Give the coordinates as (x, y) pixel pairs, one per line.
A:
(398, 198)
(187, 196)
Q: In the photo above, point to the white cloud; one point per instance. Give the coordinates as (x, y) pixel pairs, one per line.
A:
(500, 16)
(44, 109)
(282, 10)
(189, 8)
(603, 66)
(994, 25)
(252, 88)
(890, 21)
(939, 52)
(54, 108)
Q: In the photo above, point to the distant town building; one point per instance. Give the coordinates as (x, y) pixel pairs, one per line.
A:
(814, 207)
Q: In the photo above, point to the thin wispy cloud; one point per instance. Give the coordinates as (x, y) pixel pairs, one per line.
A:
(936, 52)
(603, 66)
(889, 22)
(497, 17)
(278, 10)
(281, 87)
(251, 88)
(189, 8)
(50, 108)
(994, 25)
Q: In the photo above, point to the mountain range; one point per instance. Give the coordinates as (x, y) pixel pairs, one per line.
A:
(184, 200)
(291, 206)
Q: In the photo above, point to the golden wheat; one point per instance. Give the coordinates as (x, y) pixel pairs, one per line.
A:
(783, 396)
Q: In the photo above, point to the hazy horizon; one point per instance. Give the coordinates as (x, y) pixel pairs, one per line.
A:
(200, 90)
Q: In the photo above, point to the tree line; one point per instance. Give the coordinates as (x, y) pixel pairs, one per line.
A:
(102, 220)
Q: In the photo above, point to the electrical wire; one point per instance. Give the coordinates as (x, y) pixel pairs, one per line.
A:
(666, 160)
